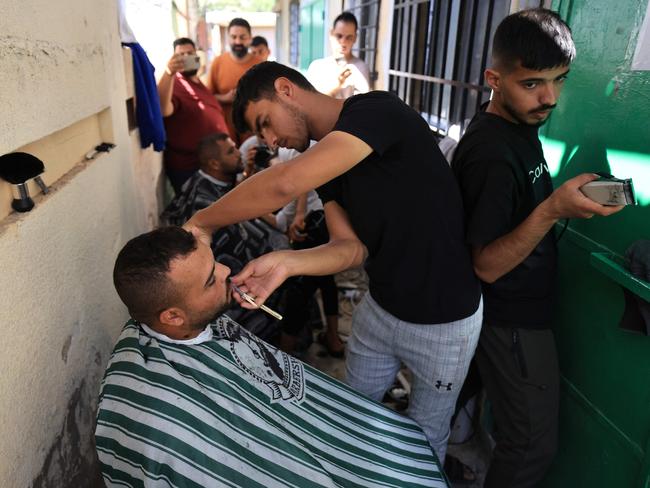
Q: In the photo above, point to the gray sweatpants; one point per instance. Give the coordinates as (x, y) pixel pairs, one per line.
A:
(438, 356)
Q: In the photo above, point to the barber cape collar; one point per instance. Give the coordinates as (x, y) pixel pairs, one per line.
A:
(282, 374)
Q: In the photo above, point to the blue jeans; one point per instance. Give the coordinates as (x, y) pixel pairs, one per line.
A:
(438, 356)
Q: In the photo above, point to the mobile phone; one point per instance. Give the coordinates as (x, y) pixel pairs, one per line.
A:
(191, 62)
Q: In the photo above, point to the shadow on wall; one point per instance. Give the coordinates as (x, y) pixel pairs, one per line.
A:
(72, 460)
(594, 133)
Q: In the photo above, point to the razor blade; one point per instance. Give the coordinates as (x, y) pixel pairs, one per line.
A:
(251, 300)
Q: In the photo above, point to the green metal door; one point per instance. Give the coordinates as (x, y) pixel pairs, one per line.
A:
(312, 32)
(601, 124)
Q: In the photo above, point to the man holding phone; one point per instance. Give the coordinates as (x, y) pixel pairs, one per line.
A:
(190, 112)
(342, 74)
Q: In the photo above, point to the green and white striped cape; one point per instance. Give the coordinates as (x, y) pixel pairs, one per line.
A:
(235, 412)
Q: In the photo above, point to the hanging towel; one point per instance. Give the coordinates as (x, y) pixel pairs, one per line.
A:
(147, 106)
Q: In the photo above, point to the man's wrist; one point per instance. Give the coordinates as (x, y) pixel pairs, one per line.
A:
(546, 212)
(168, 71)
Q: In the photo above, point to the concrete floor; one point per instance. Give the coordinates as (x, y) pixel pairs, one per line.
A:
(472, 452)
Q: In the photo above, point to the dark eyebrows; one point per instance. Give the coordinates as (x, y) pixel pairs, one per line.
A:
(541, 80)
(210, 279)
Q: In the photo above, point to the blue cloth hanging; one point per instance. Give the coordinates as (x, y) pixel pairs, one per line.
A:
(147, 107)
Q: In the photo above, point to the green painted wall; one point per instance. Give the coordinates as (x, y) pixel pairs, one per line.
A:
(312, 32)
(602, 123)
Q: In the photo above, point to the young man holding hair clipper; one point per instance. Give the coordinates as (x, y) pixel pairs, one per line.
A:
(511, 209)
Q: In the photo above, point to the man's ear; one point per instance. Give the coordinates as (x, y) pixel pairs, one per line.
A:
(213, 163)
(283, 87)
(173, 317)
(493, 79)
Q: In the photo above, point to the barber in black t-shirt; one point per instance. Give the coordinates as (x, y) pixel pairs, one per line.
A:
(511, 209)
(390, 199)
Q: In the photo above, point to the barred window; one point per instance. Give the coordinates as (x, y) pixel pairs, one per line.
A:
(439, 52)
(367, 14)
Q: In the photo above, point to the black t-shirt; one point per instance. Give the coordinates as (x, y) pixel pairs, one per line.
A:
(503, 176)
(405, 206)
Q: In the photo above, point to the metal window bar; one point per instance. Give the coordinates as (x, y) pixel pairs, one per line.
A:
(367, 14)
(294, 33)
(439, 53)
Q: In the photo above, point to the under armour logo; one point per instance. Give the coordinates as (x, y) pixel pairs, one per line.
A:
(440, 385)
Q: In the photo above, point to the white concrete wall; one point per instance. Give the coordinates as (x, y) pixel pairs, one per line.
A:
(61, 62)
(281, 53)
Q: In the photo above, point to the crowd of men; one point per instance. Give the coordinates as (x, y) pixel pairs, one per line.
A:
(461, 257)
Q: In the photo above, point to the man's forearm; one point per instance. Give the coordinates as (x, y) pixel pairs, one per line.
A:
(327, 259)
(502, 255)
(277, 185)
(301, 205)
(256, 196)
(165, 90)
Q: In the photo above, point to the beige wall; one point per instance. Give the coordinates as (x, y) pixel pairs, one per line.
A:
(384, 40)
(62, 62)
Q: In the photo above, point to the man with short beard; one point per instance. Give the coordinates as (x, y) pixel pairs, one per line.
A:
(191, 398)
(511, 211)
(189, 112)
(233, 245)
(228, 68)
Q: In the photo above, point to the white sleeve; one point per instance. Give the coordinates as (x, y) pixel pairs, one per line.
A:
(285, 216)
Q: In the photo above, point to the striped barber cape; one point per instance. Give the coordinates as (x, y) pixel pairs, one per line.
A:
(233, 411)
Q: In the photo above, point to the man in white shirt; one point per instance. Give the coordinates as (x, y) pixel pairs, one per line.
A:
(342, 74)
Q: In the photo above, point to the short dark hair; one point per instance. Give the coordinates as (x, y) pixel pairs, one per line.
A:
(347, 18)
(259, 41)
(537, 38)
(181, 41)
(140, 272)
(258, 84)
(239, 22)
(209, 149)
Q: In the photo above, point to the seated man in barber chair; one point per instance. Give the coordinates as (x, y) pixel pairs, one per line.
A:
(191, 399)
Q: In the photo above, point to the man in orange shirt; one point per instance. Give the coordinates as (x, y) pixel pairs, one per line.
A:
(227, 68)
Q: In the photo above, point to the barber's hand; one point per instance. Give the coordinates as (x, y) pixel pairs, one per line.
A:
(261, 276)
(569, 202)
(201, 233)
(175, 64)
(297, 229)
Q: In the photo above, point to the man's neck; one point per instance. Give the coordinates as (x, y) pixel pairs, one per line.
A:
(193, 78)
(495, 108)
(322, 113)
(176, 333)
(219, 175)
